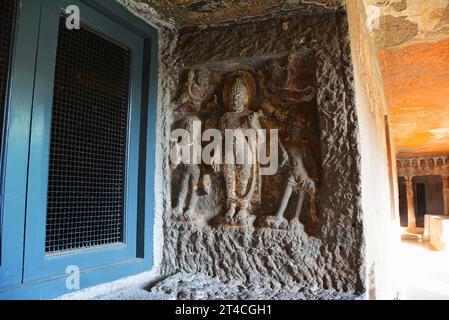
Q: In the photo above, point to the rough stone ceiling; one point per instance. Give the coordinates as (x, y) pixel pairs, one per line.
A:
(405, 22)
(413, 51)
(184, 13)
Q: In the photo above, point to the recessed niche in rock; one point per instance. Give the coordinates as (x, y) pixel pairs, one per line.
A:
(299, 227)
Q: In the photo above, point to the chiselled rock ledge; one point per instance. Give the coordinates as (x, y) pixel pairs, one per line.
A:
(200, 287)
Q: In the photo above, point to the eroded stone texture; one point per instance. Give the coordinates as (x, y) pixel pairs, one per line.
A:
(399, 6)
(200, 287)
(212, 12)
(327, 255)
(406, 22)
(404, 30)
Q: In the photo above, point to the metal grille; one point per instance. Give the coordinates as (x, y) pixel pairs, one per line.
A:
(86, 183)
(6, 25)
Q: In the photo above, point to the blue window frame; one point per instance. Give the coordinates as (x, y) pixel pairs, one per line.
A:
(17, 134)
(26, 270)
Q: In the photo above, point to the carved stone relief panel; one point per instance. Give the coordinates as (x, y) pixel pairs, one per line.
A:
(423, 165)
(275, 96)
(301, 226)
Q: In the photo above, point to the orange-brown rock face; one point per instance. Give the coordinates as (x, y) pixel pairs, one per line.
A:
(416, 82)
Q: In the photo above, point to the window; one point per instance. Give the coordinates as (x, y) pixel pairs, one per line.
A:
(78, 169)
(86, 184)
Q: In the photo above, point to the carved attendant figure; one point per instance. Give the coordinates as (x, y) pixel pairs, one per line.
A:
(303, 170)
(297, 94)
(195, 93)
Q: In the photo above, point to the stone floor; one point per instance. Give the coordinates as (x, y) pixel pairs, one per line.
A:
(132, 288)
(196, 287)
(423, 272)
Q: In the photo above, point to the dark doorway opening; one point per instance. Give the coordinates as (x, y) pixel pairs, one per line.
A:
(402, 202)
(421, 197)
(421, 203)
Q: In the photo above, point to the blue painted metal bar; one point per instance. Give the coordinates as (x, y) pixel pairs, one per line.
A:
(17, 140)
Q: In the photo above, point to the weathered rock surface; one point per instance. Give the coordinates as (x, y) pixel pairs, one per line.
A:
(200, 287)
(332, 258)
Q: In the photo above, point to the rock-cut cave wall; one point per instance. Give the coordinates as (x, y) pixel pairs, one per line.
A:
(301, 228)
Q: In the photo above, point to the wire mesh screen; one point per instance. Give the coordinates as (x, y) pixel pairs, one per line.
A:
(86, 182)
(6, 25)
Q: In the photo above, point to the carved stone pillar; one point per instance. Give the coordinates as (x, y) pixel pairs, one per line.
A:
(410, 205)
(446, 195)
